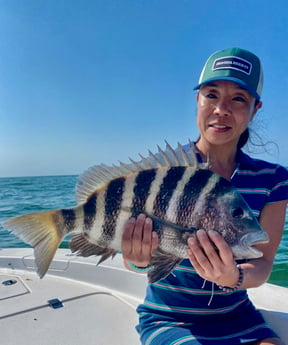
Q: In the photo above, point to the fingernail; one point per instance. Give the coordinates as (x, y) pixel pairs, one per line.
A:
(148, 221)
(191, 241)
(154, 234)
(201, 233)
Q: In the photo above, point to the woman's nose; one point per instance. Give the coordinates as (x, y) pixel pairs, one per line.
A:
(222, 108)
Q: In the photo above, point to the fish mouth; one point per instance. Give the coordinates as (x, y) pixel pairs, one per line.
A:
(246, 250)
(253, 238)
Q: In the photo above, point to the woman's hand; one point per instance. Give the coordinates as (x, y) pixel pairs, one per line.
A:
(212, 258)
(138, 241)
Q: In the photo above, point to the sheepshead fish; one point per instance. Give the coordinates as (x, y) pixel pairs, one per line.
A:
(178, 193)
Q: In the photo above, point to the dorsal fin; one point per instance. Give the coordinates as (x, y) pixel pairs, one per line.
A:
(146, 162)
(173, 153)
(97, 176)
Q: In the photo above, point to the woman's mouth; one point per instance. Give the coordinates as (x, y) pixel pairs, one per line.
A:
(220, 128)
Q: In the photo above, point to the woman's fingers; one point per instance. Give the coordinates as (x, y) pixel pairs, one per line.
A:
(223, 249)
(139, 240)
(126, 245)
(210, 255)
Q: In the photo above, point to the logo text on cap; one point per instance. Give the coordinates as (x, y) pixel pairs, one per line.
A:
(232, 62)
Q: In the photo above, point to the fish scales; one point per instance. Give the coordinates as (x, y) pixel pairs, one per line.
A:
(69, 218)
(90, 209)
(142, 190)
(113, 201)
(166, 189)
(206, 195)
(94, 233)
(172, 209)
(194, 190)
(125, 211)
(171, 187)
(154, 190)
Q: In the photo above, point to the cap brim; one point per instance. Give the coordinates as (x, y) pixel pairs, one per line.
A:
(234, 80)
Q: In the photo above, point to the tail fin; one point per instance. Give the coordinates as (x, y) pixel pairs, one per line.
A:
(44, 231)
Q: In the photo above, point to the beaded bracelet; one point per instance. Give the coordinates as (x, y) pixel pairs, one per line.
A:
(240, 281)
(139, 269)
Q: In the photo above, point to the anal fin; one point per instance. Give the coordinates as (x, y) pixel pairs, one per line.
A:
(80, 245)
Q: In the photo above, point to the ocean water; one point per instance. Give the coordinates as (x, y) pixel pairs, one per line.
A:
(19, 195)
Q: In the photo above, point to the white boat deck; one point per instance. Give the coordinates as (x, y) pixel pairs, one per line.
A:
(78, 302)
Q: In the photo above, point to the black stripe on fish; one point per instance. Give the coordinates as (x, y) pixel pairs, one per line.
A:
(222, 187)
(141, 190)
(113, 200)
(192, 191)
(89, 209)
(166, 191)
(69, 219)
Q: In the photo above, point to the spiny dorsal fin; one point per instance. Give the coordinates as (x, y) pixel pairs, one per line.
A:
(95, 177)
(183, 154)
(136, 164)
(165, 157)
(155, 159)
(146, 162)
(173, 153)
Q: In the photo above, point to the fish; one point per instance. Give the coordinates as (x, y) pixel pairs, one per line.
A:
(180, 195)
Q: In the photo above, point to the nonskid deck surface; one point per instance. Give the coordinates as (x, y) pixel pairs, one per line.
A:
(78, 302)
(70, 305)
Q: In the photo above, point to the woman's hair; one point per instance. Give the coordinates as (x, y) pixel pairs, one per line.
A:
(255, 143)
(244, 137)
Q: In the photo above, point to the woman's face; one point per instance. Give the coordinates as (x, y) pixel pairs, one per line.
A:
(224, 112)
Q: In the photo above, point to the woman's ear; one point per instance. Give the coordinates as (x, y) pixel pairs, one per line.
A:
(256, 108)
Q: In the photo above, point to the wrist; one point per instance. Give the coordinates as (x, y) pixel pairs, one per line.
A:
(138, 268)
(237, 286)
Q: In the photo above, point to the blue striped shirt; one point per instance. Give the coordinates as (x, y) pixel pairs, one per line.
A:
(185, 297)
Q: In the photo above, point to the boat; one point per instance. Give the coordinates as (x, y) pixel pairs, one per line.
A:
(80, 302)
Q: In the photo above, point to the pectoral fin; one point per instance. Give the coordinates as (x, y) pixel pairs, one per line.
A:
(163, 264)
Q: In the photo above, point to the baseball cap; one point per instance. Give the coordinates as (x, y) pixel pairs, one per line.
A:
(237, 65)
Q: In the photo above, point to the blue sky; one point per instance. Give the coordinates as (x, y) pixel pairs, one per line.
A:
(85, 82)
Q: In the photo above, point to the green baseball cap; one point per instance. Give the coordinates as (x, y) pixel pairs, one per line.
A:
(237, 65)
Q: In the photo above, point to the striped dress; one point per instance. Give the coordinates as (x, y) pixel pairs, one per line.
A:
(185, 309)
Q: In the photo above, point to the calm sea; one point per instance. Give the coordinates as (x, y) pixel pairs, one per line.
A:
(21, 195)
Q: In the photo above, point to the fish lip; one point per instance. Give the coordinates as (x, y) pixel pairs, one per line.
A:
(253, 238)
(245, 249)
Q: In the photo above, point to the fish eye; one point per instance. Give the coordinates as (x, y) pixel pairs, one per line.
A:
(238, 212)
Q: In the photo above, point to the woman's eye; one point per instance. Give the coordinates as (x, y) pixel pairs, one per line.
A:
(211, 95)
(239, 99)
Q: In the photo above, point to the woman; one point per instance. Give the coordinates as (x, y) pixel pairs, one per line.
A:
(204, 300)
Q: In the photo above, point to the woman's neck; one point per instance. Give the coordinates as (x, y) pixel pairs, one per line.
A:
(222, 159)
